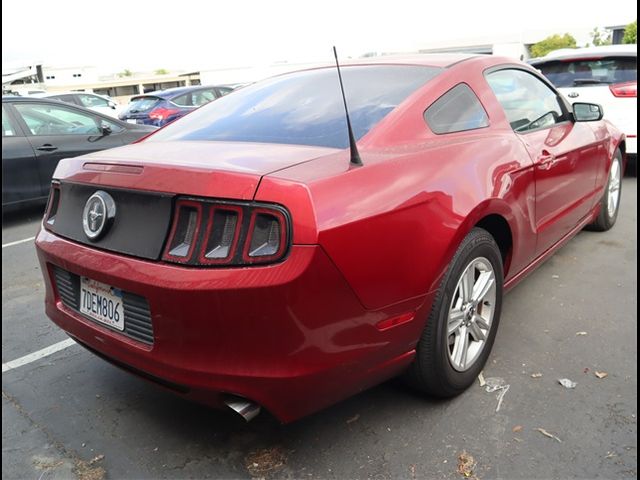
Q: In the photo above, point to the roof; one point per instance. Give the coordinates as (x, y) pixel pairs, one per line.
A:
(588, 52)
(442, 60)
(173, 92)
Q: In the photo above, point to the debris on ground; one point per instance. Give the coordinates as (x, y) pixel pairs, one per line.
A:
(536, 375)
(517, 428)
(566, 383)
(466, 464)
(547, 434)
(586, 370)
(555, 276)
(579, 334)
(354, 418)
(265, 461)
(611, 455)
(495, 384)
(481, 379)
(89, 470)
(600, 374)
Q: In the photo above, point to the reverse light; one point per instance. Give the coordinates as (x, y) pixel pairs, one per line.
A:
(210, 233)
(623, 90)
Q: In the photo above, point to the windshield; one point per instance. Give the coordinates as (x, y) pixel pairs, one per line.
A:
(141, 104)
(303, 108)
(607, 70)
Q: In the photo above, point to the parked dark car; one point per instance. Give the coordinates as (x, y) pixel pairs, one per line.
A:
(37, 133)
(162, 107)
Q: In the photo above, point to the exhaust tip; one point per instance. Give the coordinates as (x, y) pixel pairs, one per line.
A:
(246, 409)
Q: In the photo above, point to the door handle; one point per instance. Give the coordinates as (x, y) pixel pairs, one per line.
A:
(47, 147)
(546, 160)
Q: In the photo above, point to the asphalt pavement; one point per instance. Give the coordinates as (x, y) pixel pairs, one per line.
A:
(71, 415)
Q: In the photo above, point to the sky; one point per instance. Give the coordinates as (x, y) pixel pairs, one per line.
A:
(142, 36)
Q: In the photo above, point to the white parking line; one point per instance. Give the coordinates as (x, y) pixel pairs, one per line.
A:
(32, 357)
(18, 242)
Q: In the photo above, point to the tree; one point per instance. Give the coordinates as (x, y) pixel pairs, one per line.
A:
(161, 71)
(125, 73)
(631, 33)
(551, 43)
(599, 38)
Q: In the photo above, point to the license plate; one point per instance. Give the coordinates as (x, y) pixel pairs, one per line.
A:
(132, 120)
(101, 302)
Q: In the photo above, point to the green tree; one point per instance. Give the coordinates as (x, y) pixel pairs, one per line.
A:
(125, 73)
(631, 33)
(600, 37)
(551, 43)
(161, 71)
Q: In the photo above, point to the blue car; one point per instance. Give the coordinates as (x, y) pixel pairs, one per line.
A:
(162, 107)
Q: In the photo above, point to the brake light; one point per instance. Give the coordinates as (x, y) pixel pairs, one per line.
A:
(52, 204)
(210, 233)
(161, 113)
(627, 89)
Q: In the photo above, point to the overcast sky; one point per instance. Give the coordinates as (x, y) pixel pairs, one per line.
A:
(118, 34)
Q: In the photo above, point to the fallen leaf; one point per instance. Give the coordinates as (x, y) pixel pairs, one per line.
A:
(466, 464)
(516, 429)
(481, 379)
(581, 333)
(547, 434)
(566, 383)
(354, 418)
(600, 374)
(265, 461)
(536, 375)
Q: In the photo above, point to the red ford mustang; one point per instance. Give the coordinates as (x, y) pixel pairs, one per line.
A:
(238, 256)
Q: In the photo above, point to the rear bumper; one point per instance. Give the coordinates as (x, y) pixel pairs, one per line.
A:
(291, 337)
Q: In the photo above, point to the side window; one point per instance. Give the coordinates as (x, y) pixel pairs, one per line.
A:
(92, 101)
(8, 130)
(203, 96)
(528, 103)
(115, 128)
(457, 110)
(183, 100)
(65, 98)
(45, 119)
(224, 91)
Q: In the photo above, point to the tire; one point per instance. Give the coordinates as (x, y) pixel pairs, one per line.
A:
(610, 201)
(438, 368)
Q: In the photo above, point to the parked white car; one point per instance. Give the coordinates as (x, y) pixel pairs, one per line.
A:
(606, 75)
(93, 101)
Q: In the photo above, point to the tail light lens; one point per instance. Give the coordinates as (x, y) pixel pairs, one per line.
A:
(161, 113)
(208, 233)
(52, 205)
(628, 89)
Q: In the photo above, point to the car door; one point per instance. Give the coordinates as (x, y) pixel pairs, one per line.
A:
(20, 176)
(565, 154)
(62, 131)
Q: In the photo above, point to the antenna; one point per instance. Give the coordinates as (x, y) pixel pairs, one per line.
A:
(355, 156)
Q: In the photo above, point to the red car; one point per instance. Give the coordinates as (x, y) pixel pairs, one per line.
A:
(240, 255)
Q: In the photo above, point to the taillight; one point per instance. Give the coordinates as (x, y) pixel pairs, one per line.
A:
(627, 89)
(52, 204)
(210, 233)
(161, 113)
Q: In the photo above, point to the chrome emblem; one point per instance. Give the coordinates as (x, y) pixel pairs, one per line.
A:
(573, 95)
(98, 215)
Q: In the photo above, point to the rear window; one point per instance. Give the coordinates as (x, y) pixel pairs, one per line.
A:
(574, 73)
(141, 104)
(303, 108)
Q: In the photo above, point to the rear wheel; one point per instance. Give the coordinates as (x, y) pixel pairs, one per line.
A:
(610, 202)
(462, 325)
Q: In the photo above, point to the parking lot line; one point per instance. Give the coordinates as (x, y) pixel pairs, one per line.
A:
(18, 242)
(32, 357)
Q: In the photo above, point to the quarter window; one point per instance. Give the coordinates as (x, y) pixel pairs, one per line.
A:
(528, 103)
(7, 127)
(457, 110)
(45, 119)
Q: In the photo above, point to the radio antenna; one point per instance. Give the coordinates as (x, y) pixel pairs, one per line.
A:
(355, 156)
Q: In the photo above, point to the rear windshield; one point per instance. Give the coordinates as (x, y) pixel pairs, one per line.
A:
(573, 73)
(303, 108)
(141, 104)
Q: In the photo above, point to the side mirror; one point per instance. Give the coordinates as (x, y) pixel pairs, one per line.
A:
(105, 129)
(587, 112)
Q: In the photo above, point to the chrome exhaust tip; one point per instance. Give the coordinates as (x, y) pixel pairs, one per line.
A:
(248, 410)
